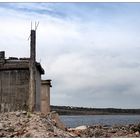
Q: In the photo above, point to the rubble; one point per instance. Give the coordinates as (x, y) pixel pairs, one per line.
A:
(81, 128)
(26, 124)
(23, 124)
(101, 131)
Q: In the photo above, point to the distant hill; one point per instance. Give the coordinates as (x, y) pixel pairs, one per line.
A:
(68, 110)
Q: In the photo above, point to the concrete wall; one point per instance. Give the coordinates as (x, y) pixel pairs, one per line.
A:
(14, 90)
(38, 91)
(45, 96)
(14, 84)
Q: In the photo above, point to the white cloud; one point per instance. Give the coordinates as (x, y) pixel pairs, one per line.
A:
(90, 63)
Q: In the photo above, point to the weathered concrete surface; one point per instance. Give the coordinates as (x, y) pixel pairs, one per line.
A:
(20, 81)
(2, 56)
(32, 84)
(14, 84)
(38, 91)
(14, 88)
(45, 96)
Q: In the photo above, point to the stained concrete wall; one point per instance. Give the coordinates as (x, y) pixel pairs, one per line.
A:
(14, 84)
(14, 90)
(38, 91)
(45, 96)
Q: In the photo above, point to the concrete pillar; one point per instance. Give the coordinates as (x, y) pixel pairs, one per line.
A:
(32, 85)
(2, 55)
(45, 96)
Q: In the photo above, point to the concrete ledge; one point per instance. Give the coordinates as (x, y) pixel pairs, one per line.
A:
(46, 82)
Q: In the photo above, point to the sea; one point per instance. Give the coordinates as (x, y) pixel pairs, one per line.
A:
(74, 121)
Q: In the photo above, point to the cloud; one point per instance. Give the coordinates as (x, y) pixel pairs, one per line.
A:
(90, 51)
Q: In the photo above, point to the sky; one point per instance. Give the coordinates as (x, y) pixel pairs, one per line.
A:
(90, 51)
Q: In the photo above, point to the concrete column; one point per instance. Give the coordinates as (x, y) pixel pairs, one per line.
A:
(32, 85)
(45, 96)
(2, 56)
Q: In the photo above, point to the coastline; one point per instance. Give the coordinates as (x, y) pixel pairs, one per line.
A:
(68, 110)
(105, 131)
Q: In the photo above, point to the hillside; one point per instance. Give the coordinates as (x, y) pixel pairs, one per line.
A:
(68, 110)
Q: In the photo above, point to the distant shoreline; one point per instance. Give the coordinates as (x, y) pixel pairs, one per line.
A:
(69, 114)
(67, 110)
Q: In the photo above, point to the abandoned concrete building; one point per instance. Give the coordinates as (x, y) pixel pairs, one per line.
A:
(21, 87)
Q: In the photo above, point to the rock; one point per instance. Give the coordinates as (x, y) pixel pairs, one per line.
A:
(72, 134)
(29, 115)
(98, 133)
(137, 133)
(24, 112)
(18, 114)
(113, 131)
(11, 129)
(81, 127)
(27, 135)
(56, 120)
(77, 132)
(1, 126)
(71, 129)
(105, 127)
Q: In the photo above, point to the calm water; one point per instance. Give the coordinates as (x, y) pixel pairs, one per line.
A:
(74, 121)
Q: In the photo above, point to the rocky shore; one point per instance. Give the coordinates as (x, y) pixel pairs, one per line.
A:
(104, 131)
(23, 124)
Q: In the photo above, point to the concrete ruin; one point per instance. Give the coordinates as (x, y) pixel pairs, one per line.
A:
(21, 87)
(45, 96)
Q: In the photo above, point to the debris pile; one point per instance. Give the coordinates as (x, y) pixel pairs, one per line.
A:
(104, 131)
(22, 124)
(26, 124)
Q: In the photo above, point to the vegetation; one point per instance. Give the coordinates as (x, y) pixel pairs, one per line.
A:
(69, 110)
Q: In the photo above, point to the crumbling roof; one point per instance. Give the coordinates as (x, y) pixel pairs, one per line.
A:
(46, 82)
(13, 63)
(38, 65)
